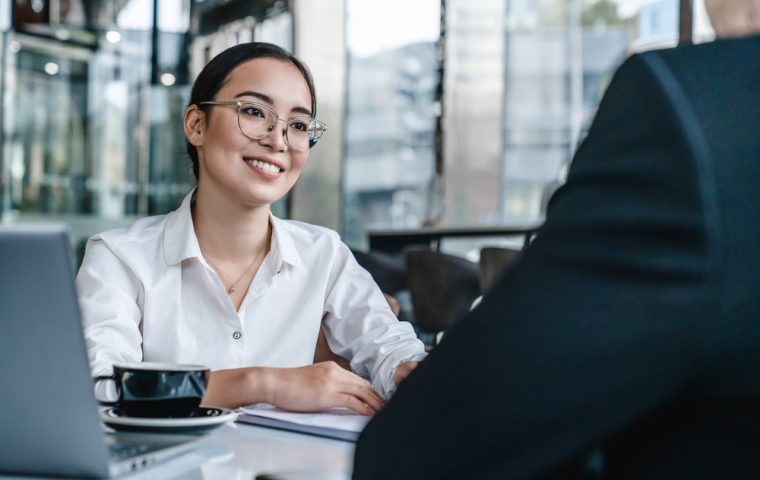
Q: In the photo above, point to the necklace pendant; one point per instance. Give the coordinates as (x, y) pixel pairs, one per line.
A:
(233, 289)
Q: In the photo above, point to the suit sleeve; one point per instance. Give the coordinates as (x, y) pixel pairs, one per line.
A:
(592, 330)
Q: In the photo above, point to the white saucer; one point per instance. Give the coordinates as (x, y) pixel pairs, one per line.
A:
(204, 419)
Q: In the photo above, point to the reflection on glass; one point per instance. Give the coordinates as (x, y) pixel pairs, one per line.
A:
(559, 60)
(472, 108)
(703, 31)
(46, 131)
(88, 140)
(520, 95)
(390, 115)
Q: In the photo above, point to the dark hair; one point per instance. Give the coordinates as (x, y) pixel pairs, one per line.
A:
(216, 72)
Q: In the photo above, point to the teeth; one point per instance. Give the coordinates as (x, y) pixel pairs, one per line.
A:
(267, 167)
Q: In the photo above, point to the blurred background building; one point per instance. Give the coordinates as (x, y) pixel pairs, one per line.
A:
(440, 112)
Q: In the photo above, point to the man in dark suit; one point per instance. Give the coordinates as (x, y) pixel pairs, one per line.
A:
(626, 342)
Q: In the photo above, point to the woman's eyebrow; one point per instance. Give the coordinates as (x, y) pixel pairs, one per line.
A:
(266, 98)
(260, 96)
(302, 110)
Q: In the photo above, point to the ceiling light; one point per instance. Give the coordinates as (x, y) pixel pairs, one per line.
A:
(51, 68)
(113, 36)
(167, 79)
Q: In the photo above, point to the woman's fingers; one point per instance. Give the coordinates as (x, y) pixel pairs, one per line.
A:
(366, 394)
(353, 403)
(349, 383)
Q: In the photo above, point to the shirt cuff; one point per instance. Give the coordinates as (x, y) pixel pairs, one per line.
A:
(389, 388)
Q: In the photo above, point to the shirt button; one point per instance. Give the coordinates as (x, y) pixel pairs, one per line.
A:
(237, 335)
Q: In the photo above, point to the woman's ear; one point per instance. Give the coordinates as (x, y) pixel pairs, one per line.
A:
(194, 123)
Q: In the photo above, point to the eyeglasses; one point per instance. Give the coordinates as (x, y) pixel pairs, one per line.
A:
(257, 121)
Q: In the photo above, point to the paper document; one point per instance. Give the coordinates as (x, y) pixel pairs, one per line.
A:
(340, 423)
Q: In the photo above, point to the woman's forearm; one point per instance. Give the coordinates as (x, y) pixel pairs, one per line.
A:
(305, 389)
(237, 387)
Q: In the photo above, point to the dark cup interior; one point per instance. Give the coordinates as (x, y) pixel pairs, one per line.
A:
(159, 393)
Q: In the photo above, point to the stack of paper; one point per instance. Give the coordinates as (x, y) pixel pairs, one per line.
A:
(339, 423)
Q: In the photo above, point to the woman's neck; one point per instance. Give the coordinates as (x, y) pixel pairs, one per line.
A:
(227, 230)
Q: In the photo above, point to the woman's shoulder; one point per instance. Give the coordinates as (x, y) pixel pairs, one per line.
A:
(319, 248)
(142, 238)
(140, 230)
(134, 247)
(307, 232)
(146, 230)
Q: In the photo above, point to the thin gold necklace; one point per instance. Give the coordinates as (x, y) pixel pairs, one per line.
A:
(233, 286)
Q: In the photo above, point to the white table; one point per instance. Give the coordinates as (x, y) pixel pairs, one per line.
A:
(237, 451)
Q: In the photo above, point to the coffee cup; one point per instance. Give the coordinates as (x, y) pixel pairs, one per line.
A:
(157, 390)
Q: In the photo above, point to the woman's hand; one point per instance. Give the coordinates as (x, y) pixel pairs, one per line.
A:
(302, 389)
(323, 385)
(403, 370)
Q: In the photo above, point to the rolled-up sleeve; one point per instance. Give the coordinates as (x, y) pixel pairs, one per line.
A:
(359, 324)
(109, 298)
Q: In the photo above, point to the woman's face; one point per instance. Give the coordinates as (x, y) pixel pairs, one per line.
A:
(254, 172)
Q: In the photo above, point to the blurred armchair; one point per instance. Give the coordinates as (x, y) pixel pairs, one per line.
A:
(493, 262)
(442, 288)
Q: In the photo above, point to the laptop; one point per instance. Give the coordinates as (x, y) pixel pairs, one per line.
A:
(49, 418)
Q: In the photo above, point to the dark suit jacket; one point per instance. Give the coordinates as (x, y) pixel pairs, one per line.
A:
(626, 342)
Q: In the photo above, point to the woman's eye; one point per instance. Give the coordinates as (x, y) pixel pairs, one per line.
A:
(252, 111)
(299, 125)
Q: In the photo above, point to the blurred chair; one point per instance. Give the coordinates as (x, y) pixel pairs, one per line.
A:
(493, 262)
(442, 288)
(387, 271)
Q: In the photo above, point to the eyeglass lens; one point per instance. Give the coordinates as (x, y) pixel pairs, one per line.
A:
(257, 122)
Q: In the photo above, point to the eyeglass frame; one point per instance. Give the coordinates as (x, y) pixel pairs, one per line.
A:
(241, 103)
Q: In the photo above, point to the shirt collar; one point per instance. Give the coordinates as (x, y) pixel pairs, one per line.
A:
(180, 242)
(282, 243)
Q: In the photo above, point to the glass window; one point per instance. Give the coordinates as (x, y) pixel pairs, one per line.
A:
(320, 41)
(390, 115)
(523, 80)
(474, 87)
(703, 31)
(91, 124)
(45, 127)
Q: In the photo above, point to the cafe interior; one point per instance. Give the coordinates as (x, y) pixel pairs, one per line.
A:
(450, 123)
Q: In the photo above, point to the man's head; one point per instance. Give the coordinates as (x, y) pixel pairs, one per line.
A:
(734, 18)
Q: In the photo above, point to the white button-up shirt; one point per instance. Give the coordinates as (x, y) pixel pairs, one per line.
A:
(147, 294)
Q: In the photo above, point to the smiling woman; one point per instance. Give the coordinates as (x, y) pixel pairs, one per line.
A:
(222, 282)
(260, 171)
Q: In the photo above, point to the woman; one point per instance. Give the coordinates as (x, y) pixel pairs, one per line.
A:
(223, 283)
